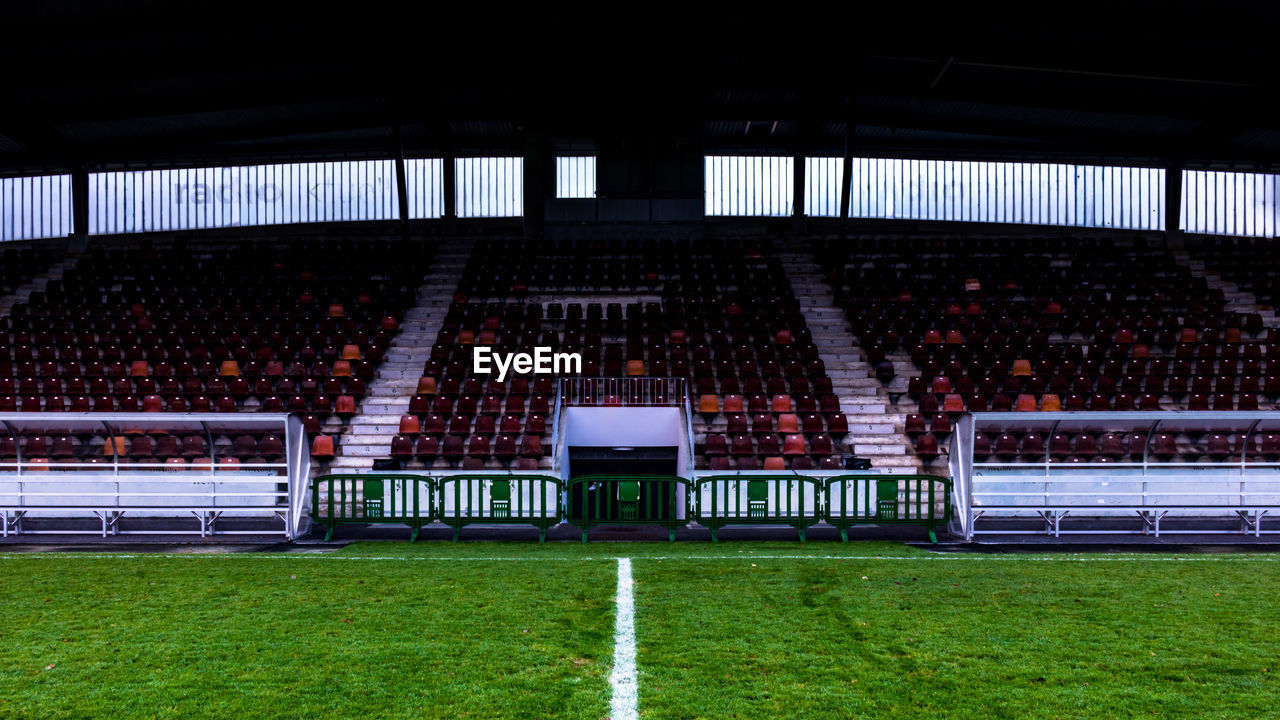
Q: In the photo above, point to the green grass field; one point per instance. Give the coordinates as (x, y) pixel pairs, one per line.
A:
(739, 630)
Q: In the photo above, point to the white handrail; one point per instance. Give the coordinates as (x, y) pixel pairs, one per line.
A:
(555, 427)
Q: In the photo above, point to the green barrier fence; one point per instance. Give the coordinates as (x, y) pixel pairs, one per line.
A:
(668, 501)
(873, 499)
(627, 500)
(372, 498)
(791, 500)
(499, 499)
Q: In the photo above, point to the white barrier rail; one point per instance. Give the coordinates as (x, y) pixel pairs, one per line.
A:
(623, 391)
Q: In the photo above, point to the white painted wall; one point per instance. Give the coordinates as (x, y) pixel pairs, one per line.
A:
(623, 427)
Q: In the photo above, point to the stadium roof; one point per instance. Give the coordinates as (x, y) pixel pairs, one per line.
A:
(1146, 83)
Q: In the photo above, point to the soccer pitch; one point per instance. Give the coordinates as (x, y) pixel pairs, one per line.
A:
(738, 630)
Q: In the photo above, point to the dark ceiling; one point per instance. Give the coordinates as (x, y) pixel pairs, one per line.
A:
(1171, 82)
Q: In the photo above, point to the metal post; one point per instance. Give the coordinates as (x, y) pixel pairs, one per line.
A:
(79, 207)
(798, 181)
(402, 191)
(213, 460)
(17, 446)
(535, 182)
(1173, 205)
(450, 177)
(846, 180)
(115, 449)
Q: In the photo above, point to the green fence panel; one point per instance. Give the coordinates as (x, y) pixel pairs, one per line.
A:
(627, 500)
(872, 499)
(498, 498)
(367, 498)
(792, 500)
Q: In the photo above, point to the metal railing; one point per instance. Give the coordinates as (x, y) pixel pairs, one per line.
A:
(872, 499)
(372, 498)
(798, 499)
(555, 428)
(792, 500)
(624, 391)
(454, 498)
(687, 411)
(458, 499)
(487, 498)
(627, 500)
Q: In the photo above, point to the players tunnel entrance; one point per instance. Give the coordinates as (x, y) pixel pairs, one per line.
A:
(620, 491)
(611, 445)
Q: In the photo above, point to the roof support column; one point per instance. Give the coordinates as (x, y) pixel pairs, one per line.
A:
(402, 186)
(1173, 205)
(846, 180)
(449, 217)
(79, 239)
(536, 170)
(797, 182)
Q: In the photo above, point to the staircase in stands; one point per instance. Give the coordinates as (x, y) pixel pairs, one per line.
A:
(1238, 300)
(875, 426)
(368, 435)
(37, 284)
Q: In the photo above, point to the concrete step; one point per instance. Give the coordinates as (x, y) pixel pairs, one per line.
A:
(865, 408)
(369, 418)
(400, 373)
(854, 379)
(381, 433)
(910, 462)
(868, 439)
(365, 450)
(403, 388)
(381, 439)
(889, 423)
(350, 462)
(393, 410)
(866, 449)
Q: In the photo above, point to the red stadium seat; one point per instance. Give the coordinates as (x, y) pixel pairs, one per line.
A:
(322, 447)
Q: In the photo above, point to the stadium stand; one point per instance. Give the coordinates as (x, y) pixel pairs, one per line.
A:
(956, 324)
(944, 324)
(226, 327)
(721, 314)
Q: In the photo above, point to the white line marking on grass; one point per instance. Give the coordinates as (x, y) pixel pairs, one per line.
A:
(1235, 557)
(976, 557)
(623, 677)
